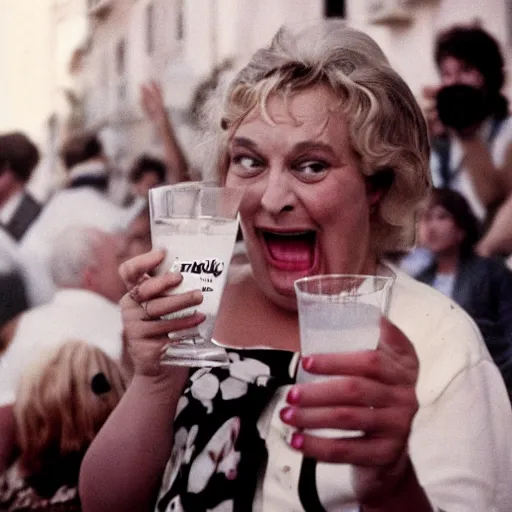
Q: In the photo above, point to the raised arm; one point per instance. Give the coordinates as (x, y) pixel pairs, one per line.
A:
(124, 465)
(498, 238)
(486, 176)
(152, 102)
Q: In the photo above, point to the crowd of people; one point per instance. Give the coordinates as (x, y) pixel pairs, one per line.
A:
(59, 281)
(344, 172)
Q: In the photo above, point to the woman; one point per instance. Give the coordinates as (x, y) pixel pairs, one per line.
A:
(60, 406)
(332, 150)
(482, 286)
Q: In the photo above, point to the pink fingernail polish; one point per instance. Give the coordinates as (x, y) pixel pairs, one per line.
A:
(297, 441)
(307, 363)
(287, 414)
(293, 396)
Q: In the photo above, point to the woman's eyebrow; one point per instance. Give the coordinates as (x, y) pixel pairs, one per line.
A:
(244, 142)
(311, 146)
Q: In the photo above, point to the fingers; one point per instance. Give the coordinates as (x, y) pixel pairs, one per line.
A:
(355, 391)
(367, 419)
(151, 94)
(374, 393)
(138, 330)
(145, 97)
(366, 364)
(133, 270)
(156, 90)
(397, 346)
(430, 91)
(159, 306)
(358, 451)
(153, 287)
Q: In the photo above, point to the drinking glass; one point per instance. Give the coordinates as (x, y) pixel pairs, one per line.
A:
(196, 223)
(339, 313)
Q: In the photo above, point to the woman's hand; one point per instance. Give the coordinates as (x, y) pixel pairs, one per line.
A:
(435, 126)
(144, 305)
(374, 393)
(152, 103)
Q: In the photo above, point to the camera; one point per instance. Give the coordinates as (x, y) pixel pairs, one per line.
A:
(462, 107)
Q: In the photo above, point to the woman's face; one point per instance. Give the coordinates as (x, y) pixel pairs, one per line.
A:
(306, 208)
(455, 71)
(438, 231)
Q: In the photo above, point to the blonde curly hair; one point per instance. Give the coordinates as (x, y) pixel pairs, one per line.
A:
(58, 409)
(386, 126)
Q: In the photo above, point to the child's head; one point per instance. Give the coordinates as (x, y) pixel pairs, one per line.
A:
(60, 406)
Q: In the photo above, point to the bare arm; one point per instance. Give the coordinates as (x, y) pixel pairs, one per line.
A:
(7, 436)
(124, 465)
(153, 105)
(498, 238)
(487, 182)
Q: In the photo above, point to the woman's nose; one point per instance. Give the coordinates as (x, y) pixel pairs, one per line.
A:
(278, 195)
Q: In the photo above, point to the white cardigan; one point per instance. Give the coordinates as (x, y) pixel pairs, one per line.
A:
(461, 440)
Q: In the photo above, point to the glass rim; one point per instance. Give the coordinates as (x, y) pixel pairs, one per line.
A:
(380, 282)
(193, 185)
(319, 277)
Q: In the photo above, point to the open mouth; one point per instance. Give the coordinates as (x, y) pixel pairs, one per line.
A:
(294, 251)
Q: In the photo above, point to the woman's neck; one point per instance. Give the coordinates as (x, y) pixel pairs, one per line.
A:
(247, 318)
(447, 262)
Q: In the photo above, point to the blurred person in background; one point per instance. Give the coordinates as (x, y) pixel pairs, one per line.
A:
(61, 403)
(138, 234)
(153, 105)
(19, 157)
(83, 202)
(84, 266)
(471, 130)
(146, 172)
(13, 301)
(482, 286)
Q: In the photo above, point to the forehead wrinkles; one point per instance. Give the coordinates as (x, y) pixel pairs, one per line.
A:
(315, 114)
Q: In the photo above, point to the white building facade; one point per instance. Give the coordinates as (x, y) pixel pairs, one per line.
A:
(115, 45)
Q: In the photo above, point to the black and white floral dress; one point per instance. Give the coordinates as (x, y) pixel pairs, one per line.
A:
(223, 433)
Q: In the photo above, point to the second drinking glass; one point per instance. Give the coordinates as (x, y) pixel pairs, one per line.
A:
(196, 223)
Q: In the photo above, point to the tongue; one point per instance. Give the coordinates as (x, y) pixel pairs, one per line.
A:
(295, 252)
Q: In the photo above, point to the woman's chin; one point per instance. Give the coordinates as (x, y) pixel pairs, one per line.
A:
(283, 281)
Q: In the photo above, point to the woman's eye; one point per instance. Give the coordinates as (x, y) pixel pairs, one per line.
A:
(247, 162)
(312, 167)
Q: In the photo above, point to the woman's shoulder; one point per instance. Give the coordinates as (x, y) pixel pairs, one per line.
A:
(446, 339)
(425, 310)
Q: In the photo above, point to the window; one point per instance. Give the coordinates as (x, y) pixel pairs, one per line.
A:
(121, 57)
(150, 29)
(508, 7)
(334, 8)
(180, 20)
(121, 70)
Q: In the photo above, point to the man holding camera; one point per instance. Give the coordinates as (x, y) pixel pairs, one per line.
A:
(471, 130)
